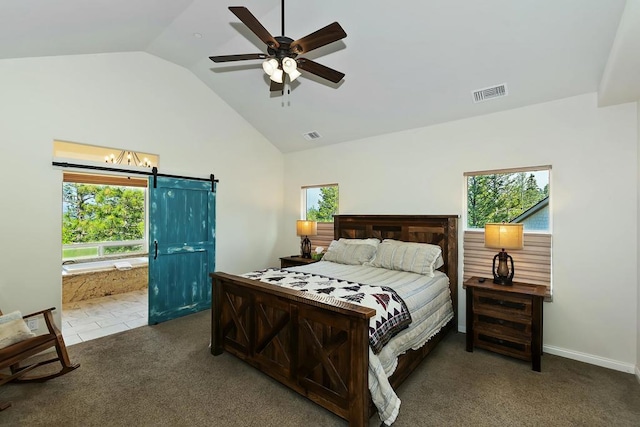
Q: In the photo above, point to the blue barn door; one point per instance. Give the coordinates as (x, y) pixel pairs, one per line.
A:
(181, 247)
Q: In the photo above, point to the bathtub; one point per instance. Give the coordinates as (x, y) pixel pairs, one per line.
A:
(88, 280)
(120, 264)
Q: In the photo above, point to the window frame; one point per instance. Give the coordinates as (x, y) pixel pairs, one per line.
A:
(466, 175)
(324, 229)
(303, 206)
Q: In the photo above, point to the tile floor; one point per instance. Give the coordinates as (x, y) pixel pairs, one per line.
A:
(95, 318)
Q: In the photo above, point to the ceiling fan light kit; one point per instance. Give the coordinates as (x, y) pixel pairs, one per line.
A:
(282, 52)
(277, 76)
(290, 66)
(269, 66)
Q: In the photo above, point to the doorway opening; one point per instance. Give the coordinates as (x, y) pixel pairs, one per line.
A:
(104, 263)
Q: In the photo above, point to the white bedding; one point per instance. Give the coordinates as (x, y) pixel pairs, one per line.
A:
(429, 302)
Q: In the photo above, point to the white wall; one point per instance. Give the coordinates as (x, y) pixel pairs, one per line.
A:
(135, 101)
(638, 308)
(594, 187)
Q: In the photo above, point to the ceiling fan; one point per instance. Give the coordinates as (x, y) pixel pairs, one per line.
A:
(282, 58)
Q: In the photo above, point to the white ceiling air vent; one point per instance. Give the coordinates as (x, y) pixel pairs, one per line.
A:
(310, 136)
(488, 93)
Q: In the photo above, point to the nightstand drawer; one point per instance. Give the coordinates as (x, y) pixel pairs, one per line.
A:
(513, 327)
(490, 301)
(509, 346)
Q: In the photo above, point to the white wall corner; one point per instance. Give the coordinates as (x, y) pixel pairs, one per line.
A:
(618, 83)
(638, 250)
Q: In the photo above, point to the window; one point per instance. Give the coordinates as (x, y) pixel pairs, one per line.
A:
(102, 215)
(93, 154)
(320, 203)
(519, 195)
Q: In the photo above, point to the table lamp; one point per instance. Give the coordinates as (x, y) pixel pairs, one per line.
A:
(306, 229)
(503, 236)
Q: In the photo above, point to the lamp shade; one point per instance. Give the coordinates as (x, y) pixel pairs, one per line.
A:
(294, 74)
(289, 65)
(277, 75)
(269, 66)
(306, 228)
(504, 235)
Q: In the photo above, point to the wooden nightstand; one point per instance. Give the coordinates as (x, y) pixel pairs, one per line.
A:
(506, 319)
(294, 261)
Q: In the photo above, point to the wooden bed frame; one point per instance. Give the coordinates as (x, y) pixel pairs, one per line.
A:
(320, 348)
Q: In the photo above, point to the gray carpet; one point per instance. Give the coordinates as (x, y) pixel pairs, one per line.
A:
(164, 375)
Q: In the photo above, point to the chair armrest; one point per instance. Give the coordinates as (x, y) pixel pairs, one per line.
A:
(48, 319)
(38, 312)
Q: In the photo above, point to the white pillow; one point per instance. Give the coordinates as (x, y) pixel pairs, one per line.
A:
(373, 241)
(10, 316)
(421, 258)
(13, 329)
(351, 254)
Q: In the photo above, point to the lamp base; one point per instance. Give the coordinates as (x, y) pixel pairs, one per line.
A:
(305, 247)
(504, 281)
(502, 275)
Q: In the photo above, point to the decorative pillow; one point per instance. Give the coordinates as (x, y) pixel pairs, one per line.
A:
(10, 316)
(352, 254)
(421, 258)
(13, 329)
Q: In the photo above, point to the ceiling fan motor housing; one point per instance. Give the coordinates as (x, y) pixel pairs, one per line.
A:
(283, 50)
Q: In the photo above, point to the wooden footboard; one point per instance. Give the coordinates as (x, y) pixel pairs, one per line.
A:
(318, 349)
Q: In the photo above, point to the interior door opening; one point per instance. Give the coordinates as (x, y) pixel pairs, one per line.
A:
(104, 263)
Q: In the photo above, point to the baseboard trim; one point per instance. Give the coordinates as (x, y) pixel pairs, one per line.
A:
(591, 359)
(584, 357)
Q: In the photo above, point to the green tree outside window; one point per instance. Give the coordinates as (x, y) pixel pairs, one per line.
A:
(327, 205)
(503, 197)
(102, 213)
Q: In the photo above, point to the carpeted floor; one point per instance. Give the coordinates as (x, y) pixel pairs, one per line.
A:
(164, 375)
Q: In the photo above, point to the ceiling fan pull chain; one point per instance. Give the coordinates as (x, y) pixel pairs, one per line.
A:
(286, 102)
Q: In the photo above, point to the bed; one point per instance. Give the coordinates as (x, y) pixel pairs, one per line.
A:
(319, 346)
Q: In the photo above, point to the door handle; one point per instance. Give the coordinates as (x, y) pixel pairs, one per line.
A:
(155, 256)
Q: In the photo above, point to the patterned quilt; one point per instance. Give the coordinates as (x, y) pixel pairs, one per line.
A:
(391, 316)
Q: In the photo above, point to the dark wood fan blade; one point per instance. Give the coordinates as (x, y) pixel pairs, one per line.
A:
(320, 70)
(276, 87)
(254, 25)
(329, 34)
(229, 58)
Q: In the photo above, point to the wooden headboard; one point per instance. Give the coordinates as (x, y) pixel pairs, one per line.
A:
(439, 230)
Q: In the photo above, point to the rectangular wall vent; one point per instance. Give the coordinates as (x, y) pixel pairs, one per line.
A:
(310, 136)
(488, 93)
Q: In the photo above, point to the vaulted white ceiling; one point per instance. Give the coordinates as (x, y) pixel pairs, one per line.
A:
(408, 64)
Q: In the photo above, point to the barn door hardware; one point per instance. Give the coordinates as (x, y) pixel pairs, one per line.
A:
(154, 173)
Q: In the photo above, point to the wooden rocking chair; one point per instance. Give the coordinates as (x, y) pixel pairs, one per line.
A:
(12, 356)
